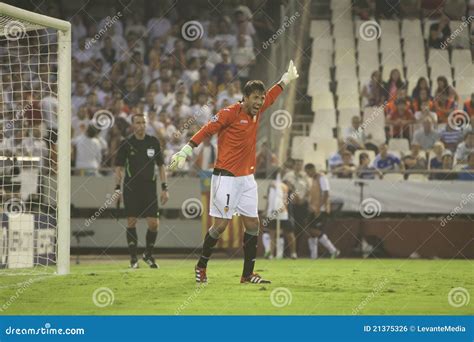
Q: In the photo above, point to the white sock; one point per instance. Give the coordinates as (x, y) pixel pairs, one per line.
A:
(281, 245)
(266, 240)
(313, 248)
(327, 243)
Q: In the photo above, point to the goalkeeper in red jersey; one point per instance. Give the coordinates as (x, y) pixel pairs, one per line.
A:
(233, 186)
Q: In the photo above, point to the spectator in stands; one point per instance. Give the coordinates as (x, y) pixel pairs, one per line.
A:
(33, 145)
(88, 152)
(465, 148)
(165, 97)
(355, 138)
(421, 84)
(422, 100)
(266, 161)
(436, 162)
(205, 156)
(80, 122)
(426, 136)
(244, 58)
(221, 68)
(204, 85)
(426, 114)
(347, 168)
(443, 106)
(373, 91)
(335, 159)
(394, 83)
(447, 167)
(364, 9)
(446, 89)
(439, 33)
(415, 160)
(451, 137)
(468, 170)
(364, 170)
(400, 120)
(79, 96)
(469, 106)
(202, 110)
(108, 52)
(391, 106)
(386, 161)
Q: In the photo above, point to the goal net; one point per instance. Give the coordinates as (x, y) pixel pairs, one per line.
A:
(34, 142)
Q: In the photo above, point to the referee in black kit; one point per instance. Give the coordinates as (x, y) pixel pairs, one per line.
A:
(137, 157)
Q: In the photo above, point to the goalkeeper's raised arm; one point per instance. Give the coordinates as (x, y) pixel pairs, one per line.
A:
(237, 126)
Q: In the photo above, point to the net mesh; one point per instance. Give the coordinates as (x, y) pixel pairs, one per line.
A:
(28, 137)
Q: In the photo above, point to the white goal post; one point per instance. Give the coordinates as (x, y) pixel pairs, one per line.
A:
(35, 66)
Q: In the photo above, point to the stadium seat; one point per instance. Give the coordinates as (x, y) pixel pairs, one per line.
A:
(417, 178)
(325, 101)
(343, 29)
(344, 119)
(464, 72)
(320, 29)
(346, 58)
(374, 123)
(398, 144)
(411, 28)
(357, 153)
(348, 101)
(460, 31)
(389, 27)
(367, 46)
(327, 146)
(322, 44)
(297, 143)
(438, 57)
(315, 157)
(344, 43)
(465, 87)
(461, 58)
(349, 87)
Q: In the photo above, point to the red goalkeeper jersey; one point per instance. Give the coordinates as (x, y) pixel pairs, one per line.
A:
(237, 135)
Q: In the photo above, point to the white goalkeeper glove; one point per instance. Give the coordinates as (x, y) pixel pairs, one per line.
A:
(290, 75)
(179, 158)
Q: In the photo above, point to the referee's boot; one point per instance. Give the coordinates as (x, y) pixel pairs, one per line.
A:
(148, 258)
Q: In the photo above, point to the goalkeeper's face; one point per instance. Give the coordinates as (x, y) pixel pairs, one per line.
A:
(254, 102)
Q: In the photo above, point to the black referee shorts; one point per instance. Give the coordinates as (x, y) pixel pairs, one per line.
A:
(318, 222)
(140, 200)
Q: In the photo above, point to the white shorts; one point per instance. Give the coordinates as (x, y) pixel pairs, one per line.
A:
(233, 195)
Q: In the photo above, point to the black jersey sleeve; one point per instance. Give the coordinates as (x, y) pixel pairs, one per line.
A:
(122, 153)
(159, 159)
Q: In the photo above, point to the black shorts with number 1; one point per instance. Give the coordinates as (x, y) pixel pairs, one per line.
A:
(140, 200)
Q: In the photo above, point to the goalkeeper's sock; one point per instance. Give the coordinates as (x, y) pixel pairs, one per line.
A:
(150, 241)
(250, 253)
(209, 242)
(327, 243)
(132, 242)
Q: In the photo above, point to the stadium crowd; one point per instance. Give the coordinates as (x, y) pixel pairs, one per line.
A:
(127, 64)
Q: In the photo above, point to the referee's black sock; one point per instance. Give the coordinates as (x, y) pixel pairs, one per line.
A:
(132, 241)
(209, 243)
(250, 253)
(150, 241)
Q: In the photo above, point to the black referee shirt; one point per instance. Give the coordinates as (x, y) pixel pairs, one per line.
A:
(139, 157)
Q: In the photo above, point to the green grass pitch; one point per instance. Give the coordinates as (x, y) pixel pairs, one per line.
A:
(301, 287)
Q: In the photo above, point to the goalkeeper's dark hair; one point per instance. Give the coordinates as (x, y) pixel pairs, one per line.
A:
(253, 86)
